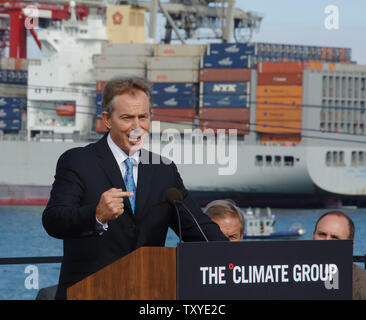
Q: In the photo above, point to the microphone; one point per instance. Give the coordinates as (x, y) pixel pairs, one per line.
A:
(175, 197)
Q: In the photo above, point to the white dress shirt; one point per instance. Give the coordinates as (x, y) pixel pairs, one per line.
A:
(120, 157)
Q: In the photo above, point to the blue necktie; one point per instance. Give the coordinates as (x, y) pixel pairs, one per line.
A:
(130, 182)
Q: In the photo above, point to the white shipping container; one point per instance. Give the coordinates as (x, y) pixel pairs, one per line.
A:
(128, 49)
(13, 90)
(183, 50)
(7, 63)
(110, 73)
(344, 67)
(168, 63)
(173, 75)
(17, 63)
(113, 61)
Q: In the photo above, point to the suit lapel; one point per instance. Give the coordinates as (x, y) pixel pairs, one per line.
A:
(111, 167)
(144, 183)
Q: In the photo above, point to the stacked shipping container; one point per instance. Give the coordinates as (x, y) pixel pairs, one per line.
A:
(275, 52)
(225, 87)
(279, 101)
(213, 83)
(174, 72)
(118, 60)
(13, 93)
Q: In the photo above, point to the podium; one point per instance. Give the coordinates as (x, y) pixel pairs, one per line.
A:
(306, 269)
(148, 273)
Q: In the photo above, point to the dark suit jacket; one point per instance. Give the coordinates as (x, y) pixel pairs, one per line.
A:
(82, 175)
(359, 283)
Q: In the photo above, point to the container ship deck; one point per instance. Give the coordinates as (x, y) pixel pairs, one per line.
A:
(298, 112)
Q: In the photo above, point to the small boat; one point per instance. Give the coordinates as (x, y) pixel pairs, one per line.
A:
(258, 226)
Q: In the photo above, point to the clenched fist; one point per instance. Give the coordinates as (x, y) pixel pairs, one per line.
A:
(110, 205)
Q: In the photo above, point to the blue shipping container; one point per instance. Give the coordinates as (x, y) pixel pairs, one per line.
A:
(174, 89)
(98, 102)
(176, 102)
(3, 76)
(10, 113)
(220, 101)
(231, 49)
(10, 124)
(19, 102)
(226, 61)
(17, 76)
(224, 88)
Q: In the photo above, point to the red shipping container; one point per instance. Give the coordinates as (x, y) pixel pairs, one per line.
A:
(172, 115)
(282, 139)
(342, 54)
(282, 79)
(225, 118)
(330, 54)
(323, 53)
(224, 74)
(100, 86)
(18, 64)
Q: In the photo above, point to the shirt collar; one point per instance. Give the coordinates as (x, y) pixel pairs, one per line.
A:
(119, 154)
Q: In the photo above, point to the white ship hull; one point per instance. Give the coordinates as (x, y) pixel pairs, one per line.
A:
(31, 166)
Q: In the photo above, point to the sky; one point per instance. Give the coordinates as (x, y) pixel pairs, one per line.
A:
(303, 22)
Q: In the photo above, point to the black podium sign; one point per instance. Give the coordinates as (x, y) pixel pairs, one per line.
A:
(265, 270)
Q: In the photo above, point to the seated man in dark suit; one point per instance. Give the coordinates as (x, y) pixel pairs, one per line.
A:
(106, 202)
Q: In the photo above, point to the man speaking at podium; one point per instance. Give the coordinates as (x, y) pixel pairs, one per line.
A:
(109, 198)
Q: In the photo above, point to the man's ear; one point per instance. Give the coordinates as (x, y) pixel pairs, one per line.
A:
(106, 119)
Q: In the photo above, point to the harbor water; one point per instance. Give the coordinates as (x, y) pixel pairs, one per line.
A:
(22, 235)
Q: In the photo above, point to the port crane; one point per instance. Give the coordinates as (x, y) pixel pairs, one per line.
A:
(186, 18)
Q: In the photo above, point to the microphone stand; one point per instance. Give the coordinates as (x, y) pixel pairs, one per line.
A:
(179, 223)
(194, 219)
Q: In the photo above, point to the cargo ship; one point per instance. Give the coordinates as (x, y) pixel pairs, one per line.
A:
(296, 113)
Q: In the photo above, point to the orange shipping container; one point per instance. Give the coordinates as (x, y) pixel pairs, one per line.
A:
(280, 67)
(278, 114)
(226, 118)
(283, 79)
(288, 67)
(278, 102)
(279, 91)
(313, 64)
(278, 126)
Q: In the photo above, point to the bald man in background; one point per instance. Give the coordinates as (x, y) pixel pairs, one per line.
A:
(336, 225)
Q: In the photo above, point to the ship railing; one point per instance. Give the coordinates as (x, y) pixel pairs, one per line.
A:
(66, 137)
(52, 137)
(20, 136)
